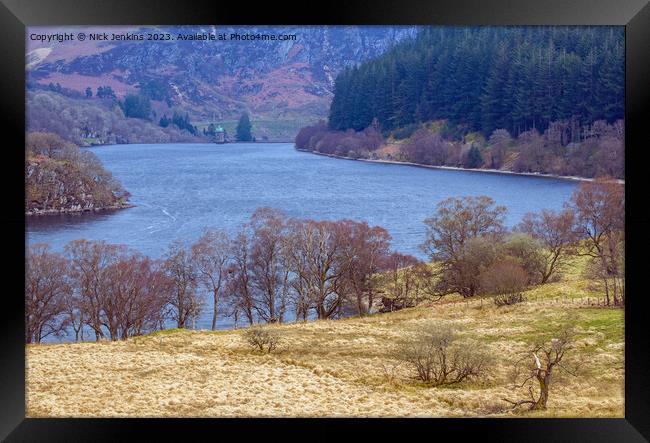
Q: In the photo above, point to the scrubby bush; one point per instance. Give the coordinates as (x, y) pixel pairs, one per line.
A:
(428, 148)
(261, 338)
(303, 139)
(506, 280)
(45, 143)
(405, 131)
(439, 359)
(528, 253)
(356, 144)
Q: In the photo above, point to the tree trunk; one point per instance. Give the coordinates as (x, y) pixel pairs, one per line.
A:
(606, 290)
(214, 311)
(544, 381)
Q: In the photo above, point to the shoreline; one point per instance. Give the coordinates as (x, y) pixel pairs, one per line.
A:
(46, 212)
(456, 168)
(185, 143)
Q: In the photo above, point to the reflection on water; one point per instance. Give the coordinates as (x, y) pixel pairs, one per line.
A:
(57, 222)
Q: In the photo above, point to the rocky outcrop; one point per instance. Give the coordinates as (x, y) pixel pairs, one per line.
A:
(55, 186)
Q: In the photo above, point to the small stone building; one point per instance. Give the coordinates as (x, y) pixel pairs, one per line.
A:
(219, 135)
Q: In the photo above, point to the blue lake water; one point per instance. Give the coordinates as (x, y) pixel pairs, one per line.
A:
(179, 189)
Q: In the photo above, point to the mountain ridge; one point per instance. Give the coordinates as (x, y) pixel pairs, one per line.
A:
(213, 80)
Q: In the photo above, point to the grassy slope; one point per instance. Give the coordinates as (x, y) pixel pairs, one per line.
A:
(332, 368)
(283, 129)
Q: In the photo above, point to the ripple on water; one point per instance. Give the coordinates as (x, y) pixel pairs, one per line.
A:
(179, 189)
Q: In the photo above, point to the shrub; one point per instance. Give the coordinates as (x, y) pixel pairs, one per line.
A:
(506, 280)
(427, 147)
(405, 131)
(438, 359)
(357, 144)
(528, 253)
(474, 158)
(508, 299)
(263, 339)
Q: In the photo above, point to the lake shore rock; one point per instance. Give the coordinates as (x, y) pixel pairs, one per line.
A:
(62, 186)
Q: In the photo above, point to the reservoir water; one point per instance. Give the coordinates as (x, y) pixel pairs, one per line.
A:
(179, 189)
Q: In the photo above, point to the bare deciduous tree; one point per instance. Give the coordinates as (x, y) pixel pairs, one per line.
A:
(315, 247)
(211, 254)
(89, 265)
(600, 211)
(45, 143)
(538, 366)
(362, 254)
(136, 295)
(555, 231)
(269, 270)
(185, 302)
(456, 222)
(238, 289)
(47, 287)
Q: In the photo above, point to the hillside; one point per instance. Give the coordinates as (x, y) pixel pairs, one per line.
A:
(92, 122)
(282, 84)
(336, 368)
(545, 100)
(482, 79)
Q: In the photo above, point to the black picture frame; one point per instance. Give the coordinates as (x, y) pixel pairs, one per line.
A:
(15, 15)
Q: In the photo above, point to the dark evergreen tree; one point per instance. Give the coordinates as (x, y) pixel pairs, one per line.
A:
(486, 78)
(105, 92)
(474, 158)
(136, 106)
(243, 132)
(183, 122)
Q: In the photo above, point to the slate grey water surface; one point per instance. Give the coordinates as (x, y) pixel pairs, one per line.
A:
(179, 189)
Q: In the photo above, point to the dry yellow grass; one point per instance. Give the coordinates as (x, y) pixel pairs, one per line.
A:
(332, 368)
(336, 368)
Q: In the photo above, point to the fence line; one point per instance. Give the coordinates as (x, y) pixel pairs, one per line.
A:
(588, 301)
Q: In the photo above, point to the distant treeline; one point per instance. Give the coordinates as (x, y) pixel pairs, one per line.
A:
(487, 78)
(102, 119)
(564, 148)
